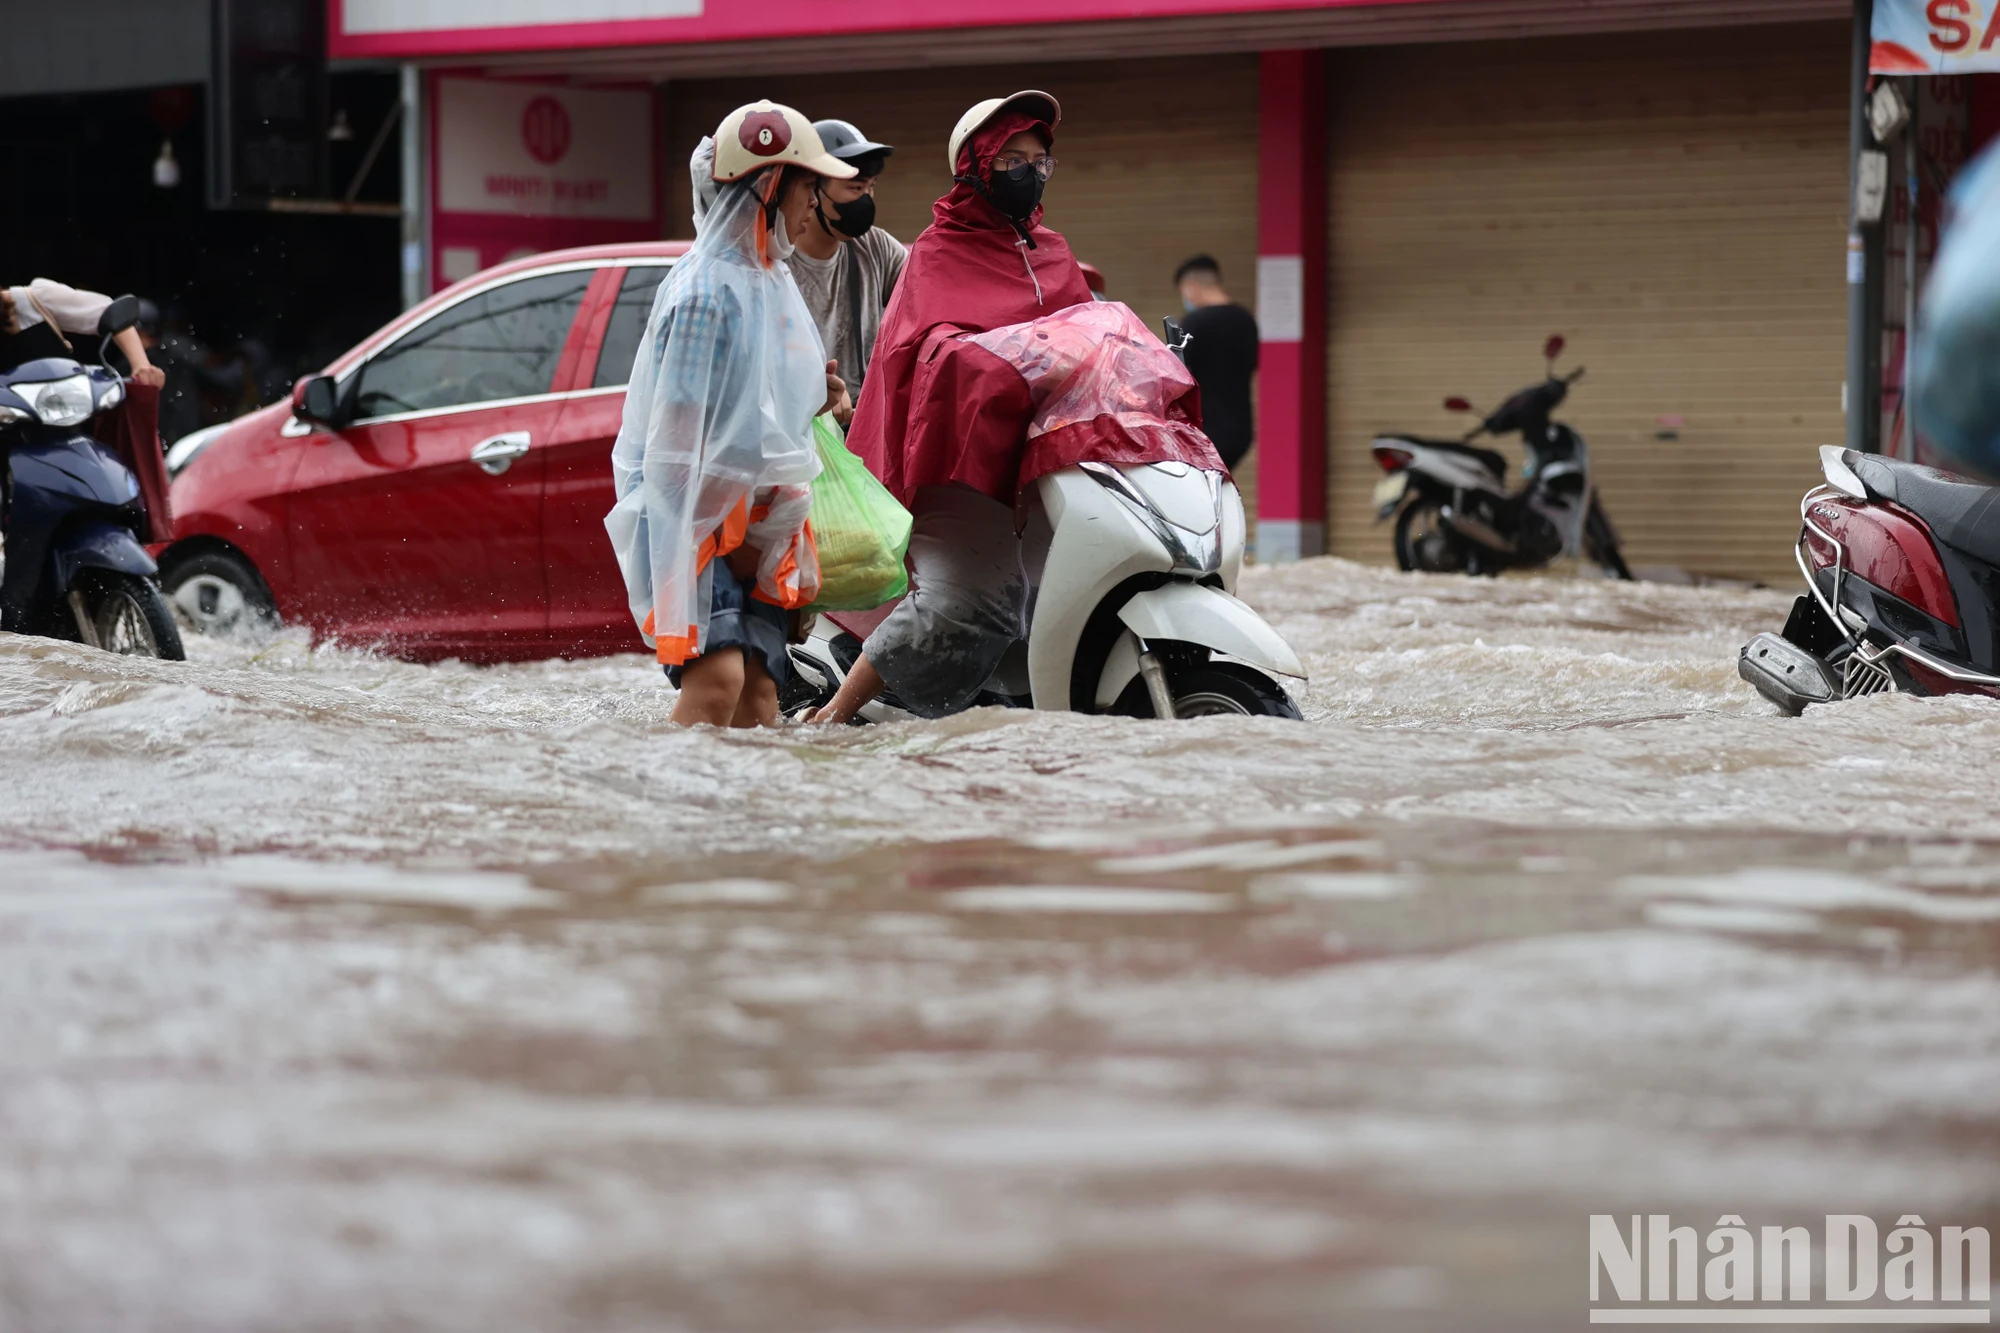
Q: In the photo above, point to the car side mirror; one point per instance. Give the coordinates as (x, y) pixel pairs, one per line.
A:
(316, 398)
(119, 316)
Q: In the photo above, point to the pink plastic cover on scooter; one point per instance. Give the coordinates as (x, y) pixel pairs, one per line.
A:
(998, 410)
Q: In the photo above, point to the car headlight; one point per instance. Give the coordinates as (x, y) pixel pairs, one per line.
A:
(190, 446)
(64, 402)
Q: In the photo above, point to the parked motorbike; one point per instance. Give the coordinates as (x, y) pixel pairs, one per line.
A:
(1134, 611)
(1902, 570)
(73, 513)
(1454, 512)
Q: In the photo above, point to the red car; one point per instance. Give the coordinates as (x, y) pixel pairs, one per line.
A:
(441, 490)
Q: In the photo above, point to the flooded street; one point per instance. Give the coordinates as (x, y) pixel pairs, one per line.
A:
(342, 993)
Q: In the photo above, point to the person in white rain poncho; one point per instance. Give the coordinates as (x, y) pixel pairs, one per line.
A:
(715, 457)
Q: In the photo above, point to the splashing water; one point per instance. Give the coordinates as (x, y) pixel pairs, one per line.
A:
(342, 992)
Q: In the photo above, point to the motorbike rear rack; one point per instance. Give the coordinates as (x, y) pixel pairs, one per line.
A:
(1865, 672)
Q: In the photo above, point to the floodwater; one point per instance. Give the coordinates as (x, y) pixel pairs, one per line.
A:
(340, 993)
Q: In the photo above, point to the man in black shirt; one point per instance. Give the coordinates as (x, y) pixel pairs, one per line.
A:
(1222, 356)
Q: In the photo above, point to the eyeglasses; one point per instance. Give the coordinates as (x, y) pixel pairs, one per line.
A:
(1012, 164)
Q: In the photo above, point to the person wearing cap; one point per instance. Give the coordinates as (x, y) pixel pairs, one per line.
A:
(714, 459)
(847, 266)
(985, 261)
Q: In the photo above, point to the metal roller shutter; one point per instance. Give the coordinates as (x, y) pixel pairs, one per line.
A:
(1674, 204)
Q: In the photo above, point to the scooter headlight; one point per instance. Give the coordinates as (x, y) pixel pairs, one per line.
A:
(64, 402)
(110, 396)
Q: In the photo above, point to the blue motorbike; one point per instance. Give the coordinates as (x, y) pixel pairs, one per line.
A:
(72, 512)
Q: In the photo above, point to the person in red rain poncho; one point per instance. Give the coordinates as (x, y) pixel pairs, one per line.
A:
(944, 436)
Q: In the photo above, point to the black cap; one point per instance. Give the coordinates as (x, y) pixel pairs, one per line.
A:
(843, 139)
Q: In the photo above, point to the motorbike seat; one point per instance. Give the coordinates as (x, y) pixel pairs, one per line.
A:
(1494, 462)
(1962, 513)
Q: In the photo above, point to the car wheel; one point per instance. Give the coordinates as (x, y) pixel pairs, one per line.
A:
(218, 593)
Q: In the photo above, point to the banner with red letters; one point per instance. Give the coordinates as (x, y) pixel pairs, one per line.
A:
(1935, 37)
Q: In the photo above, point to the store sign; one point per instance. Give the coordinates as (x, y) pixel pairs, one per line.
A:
(1935, 37)
(521, 167)
(373, 16)
(408, 29)
(526, 149)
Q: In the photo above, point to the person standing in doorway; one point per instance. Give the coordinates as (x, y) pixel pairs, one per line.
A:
(846, 266)
(1222, 356)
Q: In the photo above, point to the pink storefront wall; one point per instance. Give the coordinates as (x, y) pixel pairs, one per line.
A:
(735, 21)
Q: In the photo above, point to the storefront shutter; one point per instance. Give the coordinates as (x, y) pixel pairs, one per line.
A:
(1673, 204)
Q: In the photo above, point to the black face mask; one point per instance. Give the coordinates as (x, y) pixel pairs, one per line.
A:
(1015, 193)
(851, 219)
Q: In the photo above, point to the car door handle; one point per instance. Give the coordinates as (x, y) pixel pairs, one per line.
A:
(496, 455)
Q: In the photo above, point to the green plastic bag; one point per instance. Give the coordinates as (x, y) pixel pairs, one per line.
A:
(860, 530)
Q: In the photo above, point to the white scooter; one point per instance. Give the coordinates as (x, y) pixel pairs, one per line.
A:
(1134, 611)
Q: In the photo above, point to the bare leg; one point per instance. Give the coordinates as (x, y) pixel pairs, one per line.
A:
(757, 706)
(862, 684)
(710, 689)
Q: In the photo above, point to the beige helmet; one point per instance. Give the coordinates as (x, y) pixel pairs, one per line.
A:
(1036, 103)
(765, 134)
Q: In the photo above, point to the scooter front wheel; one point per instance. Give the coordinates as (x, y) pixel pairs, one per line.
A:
(1601, 542)
(1214, 689)
(130, 616)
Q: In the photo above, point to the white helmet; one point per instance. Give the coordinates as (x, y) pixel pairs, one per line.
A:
(1036, 103)
(765, 134)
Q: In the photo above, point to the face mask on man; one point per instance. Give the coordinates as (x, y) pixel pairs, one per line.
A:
(1015, 193)
(851, 219)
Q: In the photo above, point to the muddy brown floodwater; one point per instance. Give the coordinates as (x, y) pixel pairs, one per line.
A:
(339, 993)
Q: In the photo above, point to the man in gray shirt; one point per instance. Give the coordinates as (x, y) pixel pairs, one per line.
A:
(845, 265)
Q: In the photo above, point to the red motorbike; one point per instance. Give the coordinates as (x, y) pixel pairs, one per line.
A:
(1902, 569)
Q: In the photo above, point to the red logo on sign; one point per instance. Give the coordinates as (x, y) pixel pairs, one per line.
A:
(545, 130)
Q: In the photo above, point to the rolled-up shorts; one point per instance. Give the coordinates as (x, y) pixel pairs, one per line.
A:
(968, 602)
(738, 620)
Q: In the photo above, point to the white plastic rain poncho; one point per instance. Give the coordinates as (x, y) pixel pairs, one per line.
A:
(716, 446)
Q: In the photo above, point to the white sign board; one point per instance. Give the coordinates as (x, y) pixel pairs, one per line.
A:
(373, 16)
(1281, 306)
(532, 150)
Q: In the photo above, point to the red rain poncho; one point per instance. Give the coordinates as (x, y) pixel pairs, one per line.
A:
(133, 431)
(1099, 386)
(923, 423)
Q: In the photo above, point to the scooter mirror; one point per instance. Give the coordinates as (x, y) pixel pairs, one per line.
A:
(1553, 348)
(1457, 404)
(119, 316)
(315, 398)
